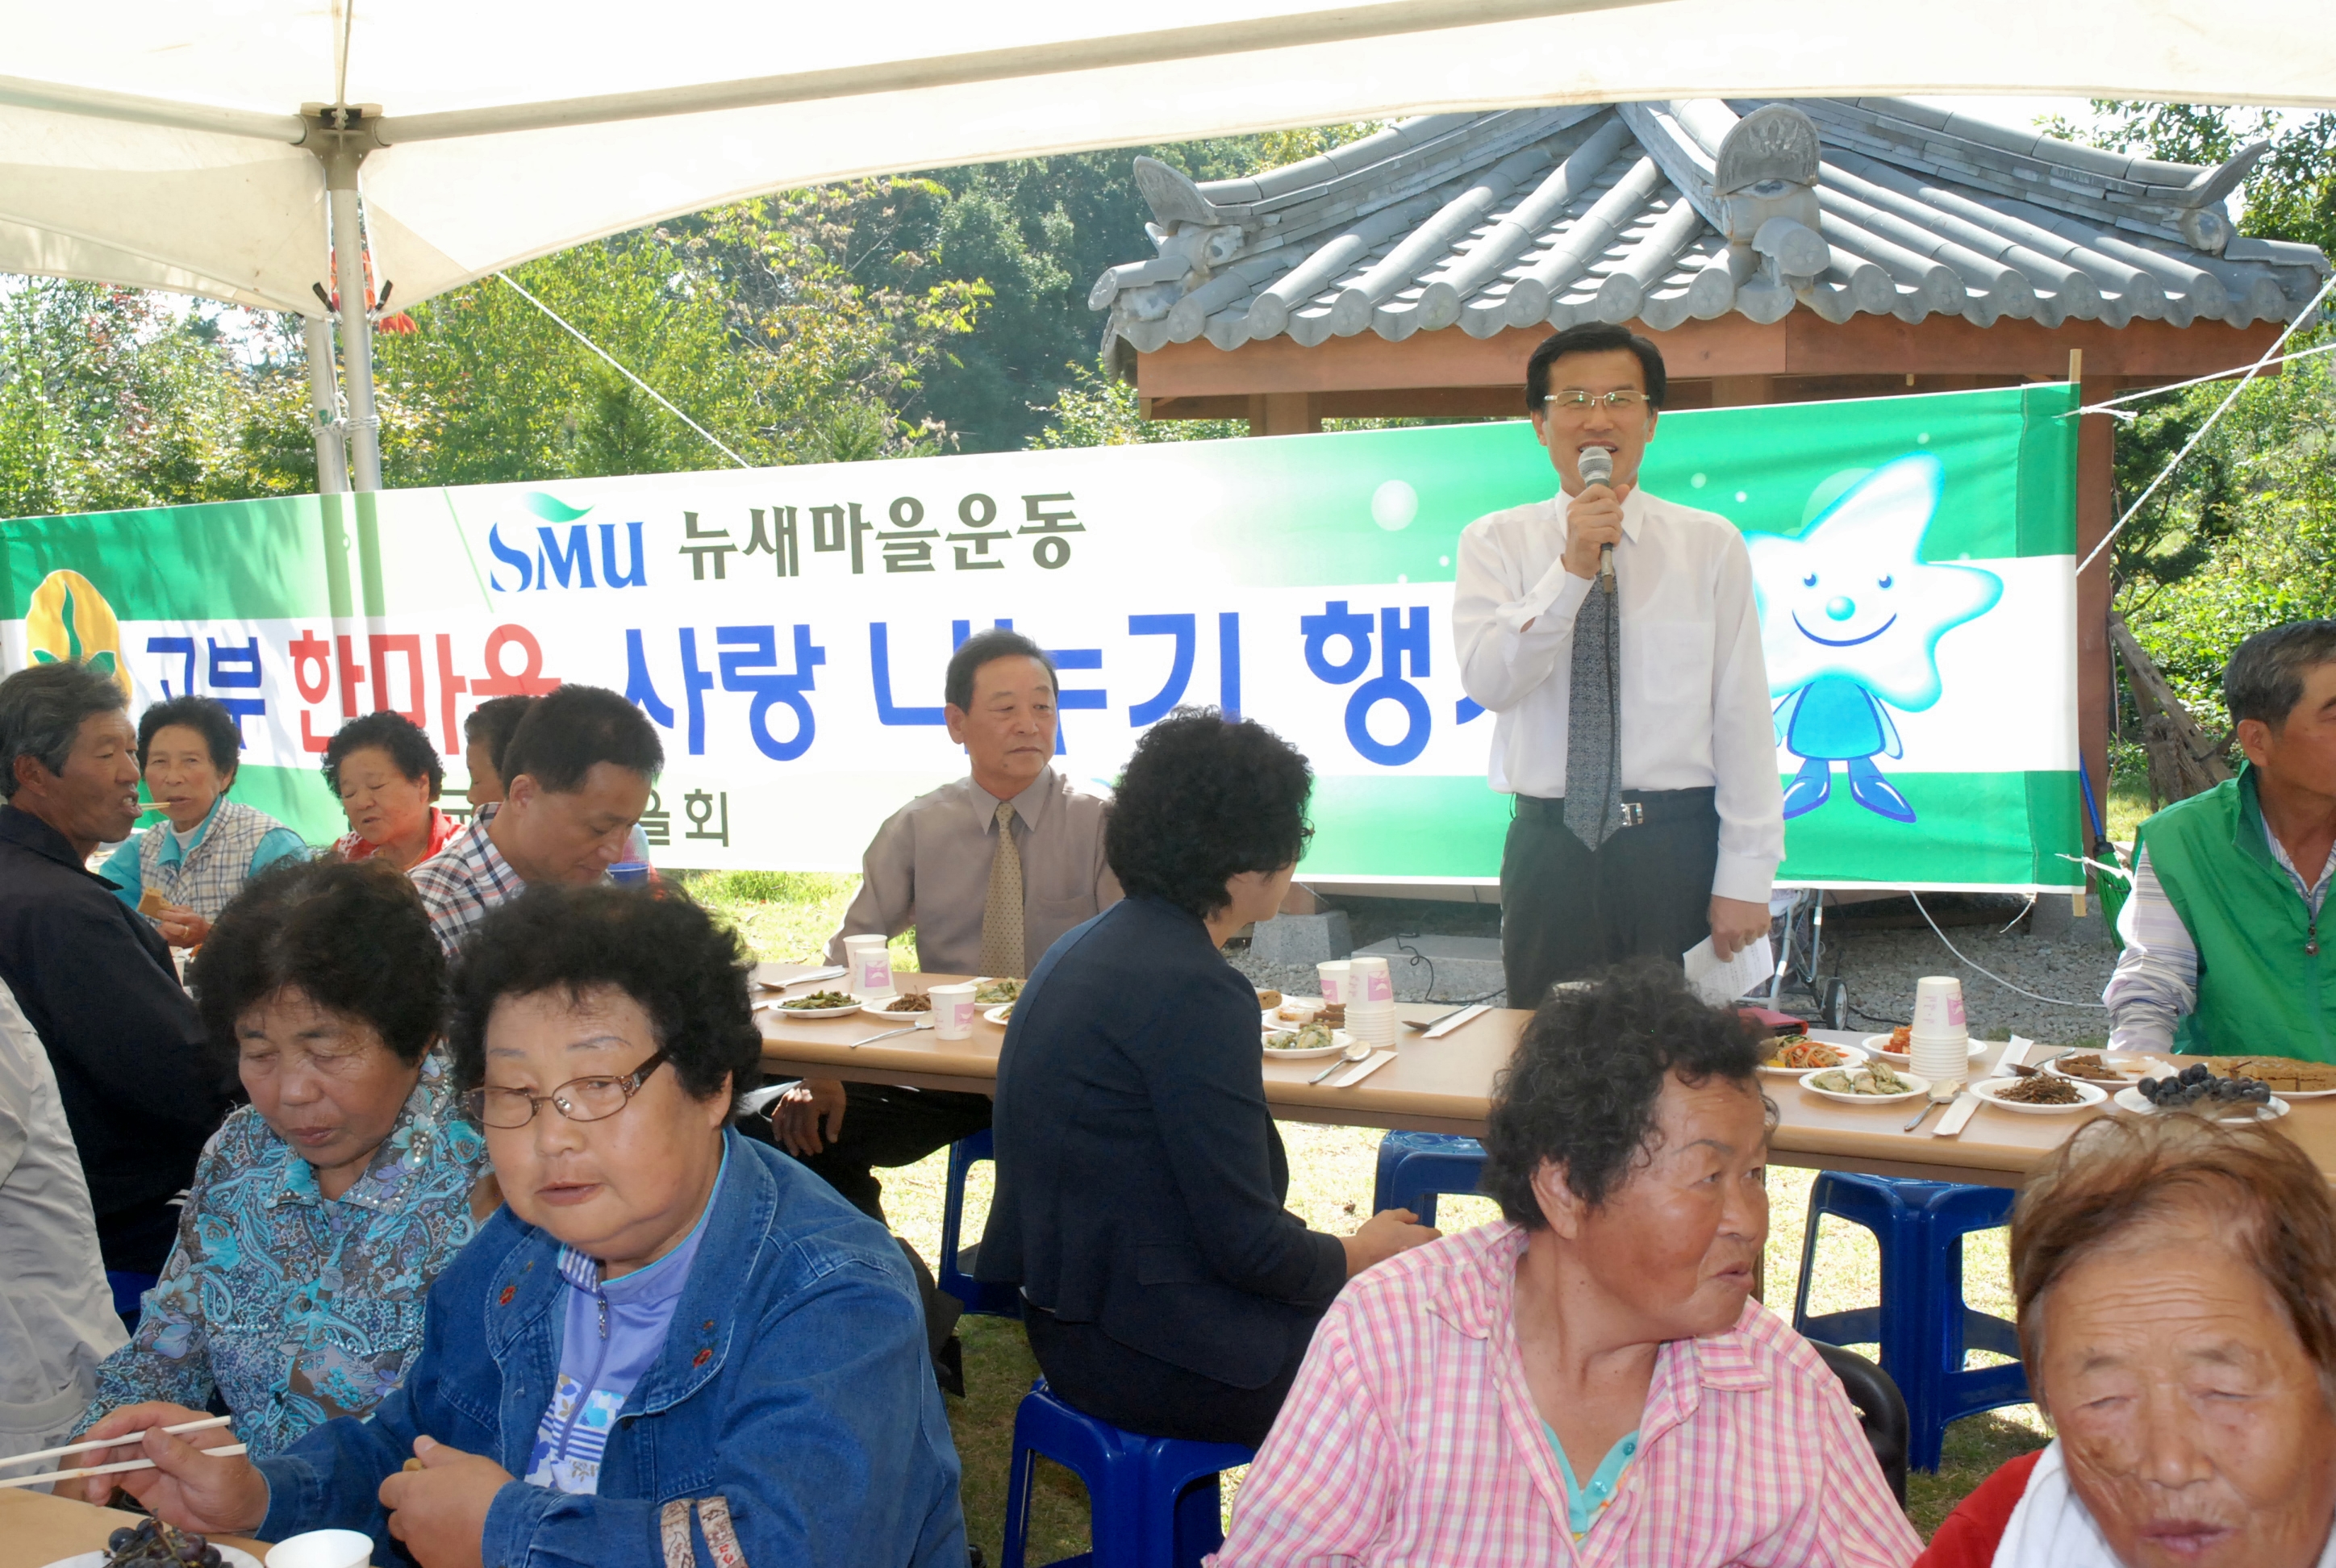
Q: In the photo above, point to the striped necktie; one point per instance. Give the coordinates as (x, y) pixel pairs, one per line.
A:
(1001, 913)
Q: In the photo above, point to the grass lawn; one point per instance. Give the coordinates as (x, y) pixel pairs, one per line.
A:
(790, 916)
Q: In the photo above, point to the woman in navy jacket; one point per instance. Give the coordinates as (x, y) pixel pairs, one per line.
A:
(673, 1346)
(1139, 1177)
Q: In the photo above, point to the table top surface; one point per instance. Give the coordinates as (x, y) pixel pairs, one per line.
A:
(1446, 1085)
(36, 1529)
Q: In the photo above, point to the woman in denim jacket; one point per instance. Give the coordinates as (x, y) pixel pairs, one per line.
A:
(673, 1345)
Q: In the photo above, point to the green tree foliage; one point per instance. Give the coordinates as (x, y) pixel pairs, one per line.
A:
(748, 318)
(2243, 535)
(111, 398)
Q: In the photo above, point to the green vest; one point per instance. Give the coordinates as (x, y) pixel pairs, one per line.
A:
(2259, 992)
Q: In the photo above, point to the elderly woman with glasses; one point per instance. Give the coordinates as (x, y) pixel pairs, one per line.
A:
(672, 1345)
(1589, 1382)
(320, 1211)
(2176, 1285)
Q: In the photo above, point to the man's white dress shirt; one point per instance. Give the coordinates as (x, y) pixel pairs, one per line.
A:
(1694, 707)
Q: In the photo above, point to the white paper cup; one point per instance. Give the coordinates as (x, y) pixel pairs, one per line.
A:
(871, 960)
(1334, 977)
(953, 1010)
(1939, 1007)
(322, 1549)
(1370, 982)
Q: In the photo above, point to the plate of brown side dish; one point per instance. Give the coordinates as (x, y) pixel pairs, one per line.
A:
(2044, 1095)
(2290, 1079)
(900, 1006)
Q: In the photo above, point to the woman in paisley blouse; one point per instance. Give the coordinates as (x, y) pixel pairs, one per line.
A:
(322, 1211)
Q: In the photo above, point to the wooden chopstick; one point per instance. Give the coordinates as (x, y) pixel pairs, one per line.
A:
(101, 1469)
(121, 1442)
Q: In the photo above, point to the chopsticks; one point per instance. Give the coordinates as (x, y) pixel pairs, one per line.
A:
(50, 1475)
(125, 1440)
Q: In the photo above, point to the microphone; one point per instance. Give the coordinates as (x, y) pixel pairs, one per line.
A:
(1598, 468)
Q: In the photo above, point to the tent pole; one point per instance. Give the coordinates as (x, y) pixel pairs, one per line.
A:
(324, 407)
(357, 323)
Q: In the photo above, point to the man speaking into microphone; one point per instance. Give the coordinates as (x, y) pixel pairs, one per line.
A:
(1614, 636)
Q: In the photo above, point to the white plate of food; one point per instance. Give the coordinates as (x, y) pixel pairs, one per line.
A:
(998, 1015)
(1866, 1084)
(1291, 1014)
(2236, 1114)
(991, 991)
(1790, 1055)
(2100, 1067)
(1882, 1048)
(2084, 1097)
(232, 1557)
(902, 1005)
(1305, 1043)
(816, 1005)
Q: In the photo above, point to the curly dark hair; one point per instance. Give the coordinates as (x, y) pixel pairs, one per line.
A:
(653, 943)
(495, 721)
(351, 935)
(1581, 1088)
(1204, 798)
(207, 718)
(564, 733)
(407, 744)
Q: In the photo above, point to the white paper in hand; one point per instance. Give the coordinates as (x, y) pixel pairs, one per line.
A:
(1719, 983)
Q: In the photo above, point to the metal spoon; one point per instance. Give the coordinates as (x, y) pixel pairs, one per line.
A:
(924, 1023)
(1355, 1052)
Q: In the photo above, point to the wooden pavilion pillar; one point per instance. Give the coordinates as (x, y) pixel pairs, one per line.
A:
(1284, 414)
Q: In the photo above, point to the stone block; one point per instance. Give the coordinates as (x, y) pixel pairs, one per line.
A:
(1302, 939)
(1441, 968)
(2054, 921)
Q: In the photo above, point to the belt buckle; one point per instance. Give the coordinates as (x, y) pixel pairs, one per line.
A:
(1634, 813)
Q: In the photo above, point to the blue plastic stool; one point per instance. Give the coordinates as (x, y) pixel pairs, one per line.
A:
(1153, 1502)
(1922, 1324)
(1416, 1166)
(954, 1276)
(128, 1292)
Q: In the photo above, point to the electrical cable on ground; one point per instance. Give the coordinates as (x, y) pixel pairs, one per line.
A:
(627, 374)
(1990, 973)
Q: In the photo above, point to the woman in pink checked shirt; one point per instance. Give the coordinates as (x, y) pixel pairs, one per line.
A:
(1588, 1381)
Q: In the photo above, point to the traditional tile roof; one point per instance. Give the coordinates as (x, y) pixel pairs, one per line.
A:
(1662, 211)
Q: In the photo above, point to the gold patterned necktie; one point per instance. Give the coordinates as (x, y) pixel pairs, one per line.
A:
(1002, 914)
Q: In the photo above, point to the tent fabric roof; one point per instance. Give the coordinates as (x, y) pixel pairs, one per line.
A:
(156, 143)
(1663, 211)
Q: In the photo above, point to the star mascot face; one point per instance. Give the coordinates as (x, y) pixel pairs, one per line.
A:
(1850, 621)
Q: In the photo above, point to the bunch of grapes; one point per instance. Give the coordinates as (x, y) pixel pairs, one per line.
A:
(2195, 1086)
(154, 1544)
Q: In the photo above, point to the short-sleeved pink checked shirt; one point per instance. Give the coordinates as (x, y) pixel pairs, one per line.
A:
(1409, 1439)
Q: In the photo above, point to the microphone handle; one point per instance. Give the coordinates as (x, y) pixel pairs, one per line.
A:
(1606, 566)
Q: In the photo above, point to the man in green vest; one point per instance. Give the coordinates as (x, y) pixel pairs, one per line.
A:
(2225, 953)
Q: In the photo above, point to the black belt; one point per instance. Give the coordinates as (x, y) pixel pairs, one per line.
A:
(1640, 808)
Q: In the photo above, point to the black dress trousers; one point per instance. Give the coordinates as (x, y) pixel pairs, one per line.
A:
(1568, 911)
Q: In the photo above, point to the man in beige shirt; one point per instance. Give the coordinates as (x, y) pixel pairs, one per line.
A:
(981, 903)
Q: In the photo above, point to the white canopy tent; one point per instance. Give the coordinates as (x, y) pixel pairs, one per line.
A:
(191, 145)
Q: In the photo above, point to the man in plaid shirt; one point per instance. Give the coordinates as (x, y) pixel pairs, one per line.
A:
(1588, 1382)
(577, 778)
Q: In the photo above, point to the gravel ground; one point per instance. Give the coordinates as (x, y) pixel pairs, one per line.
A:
(1881, 967)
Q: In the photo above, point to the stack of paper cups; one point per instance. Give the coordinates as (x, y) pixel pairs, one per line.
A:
(1370, 1001)
(1939, 1044)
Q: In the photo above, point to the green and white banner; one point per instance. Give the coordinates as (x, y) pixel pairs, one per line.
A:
(787, 627)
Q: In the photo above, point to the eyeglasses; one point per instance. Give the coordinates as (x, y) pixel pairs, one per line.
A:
(579, 1099)
(1573, 400)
